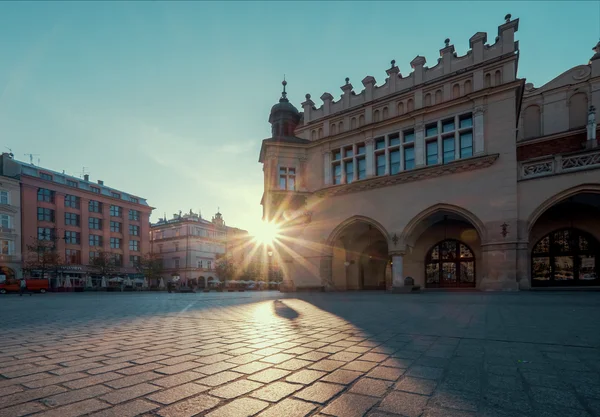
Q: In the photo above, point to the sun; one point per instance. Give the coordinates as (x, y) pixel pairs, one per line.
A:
(266, 233)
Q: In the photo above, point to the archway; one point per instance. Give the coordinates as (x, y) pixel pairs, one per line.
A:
(564, 243)
(450, 264)
(360, 255)
(201, 282)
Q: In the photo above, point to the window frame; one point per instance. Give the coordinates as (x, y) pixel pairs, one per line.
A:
(46, 195)
(74, 202)
(45, 214)
(287, 178)
(115, 242)
(2, 199)
(94, 220)
(116, 227)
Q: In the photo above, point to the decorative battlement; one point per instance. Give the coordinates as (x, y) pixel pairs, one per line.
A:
(448, 63)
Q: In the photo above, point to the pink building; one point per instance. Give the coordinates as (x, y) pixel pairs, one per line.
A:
(86, 218)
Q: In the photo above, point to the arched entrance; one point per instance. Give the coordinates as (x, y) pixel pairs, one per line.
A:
(565, 257)
(360, 255)
(564, 247)
(201, 282)
(450, 264)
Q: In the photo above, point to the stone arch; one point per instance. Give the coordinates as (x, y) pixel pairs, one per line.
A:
(410, 105)
(532, 122)
(413, 225)
(361, 120)
(320, 135)
(400, 108)
(578, 110)
(385, 113)
(439, 97)
(456, 91)
(468, 87)
(340, 127)
(376, 116)
(497, 78)
(353, 123)
(488, 80)
(557, 198)
(334, 235)
(313, 135)
(427, 99)
(332, 129)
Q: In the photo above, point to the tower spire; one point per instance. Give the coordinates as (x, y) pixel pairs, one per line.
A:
(283, 93)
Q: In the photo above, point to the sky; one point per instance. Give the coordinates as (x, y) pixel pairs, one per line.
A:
(170, 100)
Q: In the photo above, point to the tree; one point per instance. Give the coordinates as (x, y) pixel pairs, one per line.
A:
(251, 272)
(150, 265)
(104, 264)
(43, 258)
(225, 268)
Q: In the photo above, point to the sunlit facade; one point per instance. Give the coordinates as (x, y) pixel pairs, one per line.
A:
(459, 175)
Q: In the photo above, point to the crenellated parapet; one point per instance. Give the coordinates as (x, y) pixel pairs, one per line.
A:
(448, 64)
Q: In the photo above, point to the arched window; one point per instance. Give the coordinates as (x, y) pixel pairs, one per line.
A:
(353, 123)
(532, 121)
(450, 263)
(410, 105)
(497, 78)
(456, 91)
(340, 127)
(565, 257)
(361, 120)
(320, 133)
(332, 129)
(376, 116)
(468, 87)
(400, 109)
(438, 96)
(578, 109)
(488, 80)
(385, 113)
(428, 99)
(313, 135)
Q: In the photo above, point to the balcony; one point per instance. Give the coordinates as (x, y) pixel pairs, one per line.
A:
(559, 164)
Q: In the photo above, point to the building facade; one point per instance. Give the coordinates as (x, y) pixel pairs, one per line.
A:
(457, 175)
(10, 219)
(189, 246)
(84, 219)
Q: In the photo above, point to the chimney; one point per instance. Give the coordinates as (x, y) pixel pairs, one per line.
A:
(86, 177)
(100, 182)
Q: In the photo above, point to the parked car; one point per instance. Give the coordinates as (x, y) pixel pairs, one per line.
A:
(33, 284)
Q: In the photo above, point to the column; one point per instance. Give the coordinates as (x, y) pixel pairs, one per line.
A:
(440, 143)
(419, 145)
(370, 157)
(478, 129)
(397, 264)
(327, 168)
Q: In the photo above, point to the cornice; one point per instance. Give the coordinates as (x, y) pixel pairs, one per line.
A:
(461, 165)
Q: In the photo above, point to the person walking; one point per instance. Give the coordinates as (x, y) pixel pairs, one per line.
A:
(23, 287)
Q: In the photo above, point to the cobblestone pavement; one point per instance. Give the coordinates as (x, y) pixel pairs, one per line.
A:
(287, 355)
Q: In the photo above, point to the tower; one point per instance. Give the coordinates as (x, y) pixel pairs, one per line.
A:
(284, 116)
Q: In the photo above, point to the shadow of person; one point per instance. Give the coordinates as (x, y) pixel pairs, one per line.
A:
(282, 310)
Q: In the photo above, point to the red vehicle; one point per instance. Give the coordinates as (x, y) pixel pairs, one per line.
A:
(33, 284)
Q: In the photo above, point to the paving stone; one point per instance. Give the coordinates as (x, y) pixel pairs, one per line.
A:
(554, 396)
(78, 409)
(276, 391)
(251, 368)
(235, 389)
(219, 379)
(403, 403)
(289, 408)
(178, 379)
(75, 395)
(342, 376)
(512, 400)
(373, 357)
(305, 377)
(190, 407)
(313, 356)
(130, 409)
(177, 393)
(244, 359)
(125, 394)
(30, 395)
(242, 407)
(350, 405)
(416, 385)
(425, 372)
(60, 379)
(455, 400)
(294, 364)
(382, 372)
(319, 392)
(326, 365)
(269, 375)
(444, 412)
(133, 380)
(22, 409)
(277, 358)
(344, 356)
(372, 387)
(361, 366)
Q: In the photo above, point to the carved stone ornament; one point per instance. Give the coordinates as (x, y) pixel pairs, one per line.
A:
(504, 231)
(395, 239)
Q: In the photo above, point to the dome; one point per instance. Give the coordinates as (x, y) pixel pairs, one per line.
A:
(284, 106)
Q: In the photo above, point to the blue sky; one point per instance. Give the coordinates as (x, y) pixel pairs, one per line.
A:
(170, 100)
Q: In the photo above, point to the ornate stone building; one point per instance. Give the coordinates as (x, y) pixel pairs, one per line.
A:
(459, 175)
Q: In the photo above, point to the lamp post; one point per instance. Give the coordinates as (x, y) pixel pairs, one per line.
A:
(270, 266)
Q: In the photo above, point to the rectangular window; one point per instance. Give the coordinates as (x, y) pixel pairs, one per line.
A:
(93, 255)
(176, 263)
(6, 247)
(95, 223)
(45, 233)
(134, 260)
(71, 219)
(287, 178)
(380, 143)
(395, 161)
(448, 147)
(45, 214)
(361, 149)
(134, 200)
(134, 245)
(115, 226)
(72, 238)
(337, 174)
(45, 195)
(73, 257)
(431, 130)
(209, 264)
(115, 195)
(95, 206)
(348, 152)
(134, 214)
(409, 136)
(362, 168)
(134, 230)
(5, 221)
(73, 184)
(45, 176)
(115, 211)
(4, 197)
(117, 259)
(336, 155)
(200, 264)
(448, 126)
(95, 240)
(409, 157)
(432, 152)
(381, 164)
(465, 121)
(95, 190)
(394, 139)
(349, 167)
(115, 243)
(72, 201)
(466, 144)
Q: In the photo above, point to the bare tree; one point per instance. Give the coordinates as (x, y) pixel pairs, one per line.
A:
(104, 264)
(150, 265)
(225, 268)
(43, 257)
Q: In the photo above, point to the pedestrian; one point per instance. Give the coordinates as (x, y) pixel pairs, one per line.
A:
(23, 287)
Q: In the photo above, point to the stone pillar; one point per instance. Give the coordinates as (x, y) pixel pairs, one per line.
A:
(397, 270)
(478, 131)
(419, 144)
(369, 157)
(327, 168)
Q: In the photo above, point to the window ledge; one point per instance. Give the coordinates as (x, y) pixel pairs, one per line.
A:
(421, 173)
